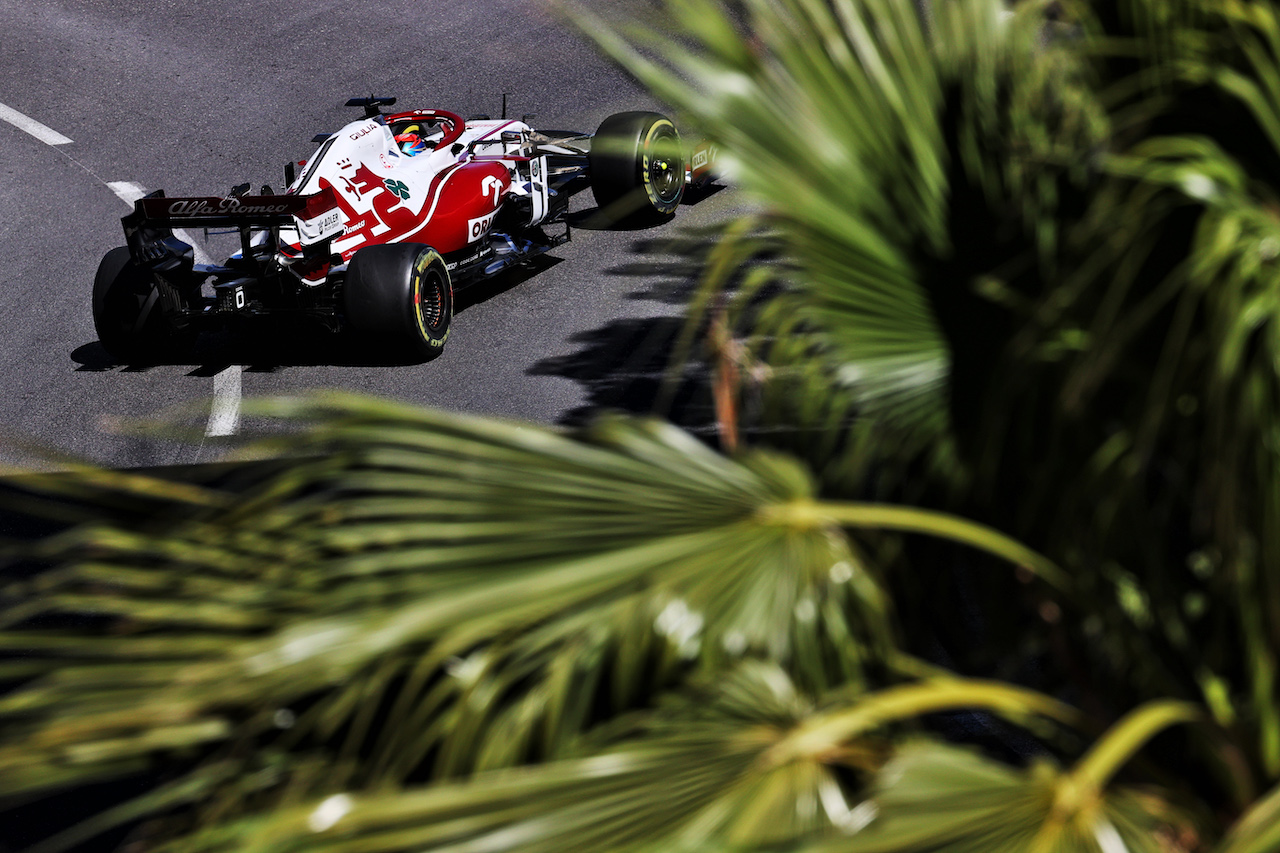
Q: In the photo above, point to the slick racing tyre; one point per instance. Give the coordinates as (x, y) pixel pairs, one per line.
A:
(127, 311)
(400, 295)
(637, 166)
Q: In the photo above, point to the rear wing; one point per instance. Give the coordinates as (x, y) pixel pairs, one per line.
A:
(149, 228)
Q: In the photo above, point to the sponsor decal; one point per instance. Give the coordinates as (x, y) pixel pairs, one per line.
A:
(193, 207)
(704, 157)
(368, 128)
(345, 163)
(330, 221)
(325, 225)
(398, 188)
(704, 162)
(360, 224)
(469, 259)
(389, 219)
(477, 228)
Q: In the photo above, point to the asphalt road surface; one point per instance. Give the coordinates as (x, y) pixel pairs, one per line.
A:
(106, 97)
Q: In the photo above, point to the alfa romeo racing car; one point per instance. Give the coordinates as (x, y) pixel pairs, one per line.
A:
(387, 217)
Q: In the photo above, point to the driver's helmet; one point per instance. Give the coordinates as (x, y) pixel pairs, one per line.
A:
(411, 141)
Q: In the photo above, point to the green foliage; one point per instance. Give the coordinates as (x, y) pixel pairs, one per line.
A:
(1259, 830)
(425, 596)
(747, 759)
(1073, 222)
(547, 575)
(267, 650)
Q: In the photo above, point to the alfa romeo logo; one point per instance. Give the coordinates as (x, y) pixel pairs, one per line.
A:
(398, 188)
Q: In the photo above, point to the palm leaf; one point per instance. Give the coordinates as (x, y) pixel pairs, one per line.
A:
(944, 798)
(1008, 260)
(442, 594)
(1258, 831)
(744, 761)
(934, 798)
(876, 138)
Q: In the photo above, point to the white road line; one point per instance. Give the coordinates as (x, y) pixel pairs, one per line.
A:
(129, 192)
(47, 135)
(224, 417)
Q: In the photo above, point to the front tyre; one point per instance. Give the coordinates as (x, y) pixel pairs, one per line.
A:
(127, 311)
(400, 295)
(637, 166)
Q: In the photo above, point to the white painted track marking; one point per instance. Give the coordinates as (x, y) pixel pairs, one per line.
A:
(128, 191)
(224, 417)
(47, 135)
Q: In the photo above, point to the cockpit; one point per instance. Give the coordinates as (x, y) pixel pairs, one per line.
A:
(415, 136)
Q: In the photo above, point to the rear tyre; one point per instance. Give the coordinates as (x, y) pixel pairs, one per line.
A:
(637, 166)
(400, 295)
(127, 311)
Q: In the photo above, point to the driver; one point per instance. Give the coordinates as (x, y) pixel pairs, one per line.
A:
(411, 140)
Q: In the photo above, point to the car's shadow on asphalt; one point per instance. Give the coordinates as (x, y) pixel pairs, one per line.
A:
(215, 351)
(270, 347)
(486, 289)
(632, 217)
(625, 366)
(633, 364)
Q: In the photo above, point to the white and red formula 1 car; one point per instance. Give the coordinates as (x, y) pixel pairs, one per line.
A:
(386, 218)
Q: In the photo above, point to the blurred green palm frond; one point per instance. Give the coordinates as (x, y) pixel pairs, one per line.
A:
(1068, 214)
(898, 164)
(1171, 390)
(1258, 831)
(946, 798)
(1073, 223)
(529, 565)
(745, 760)
(426, 595)
(696, 762)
